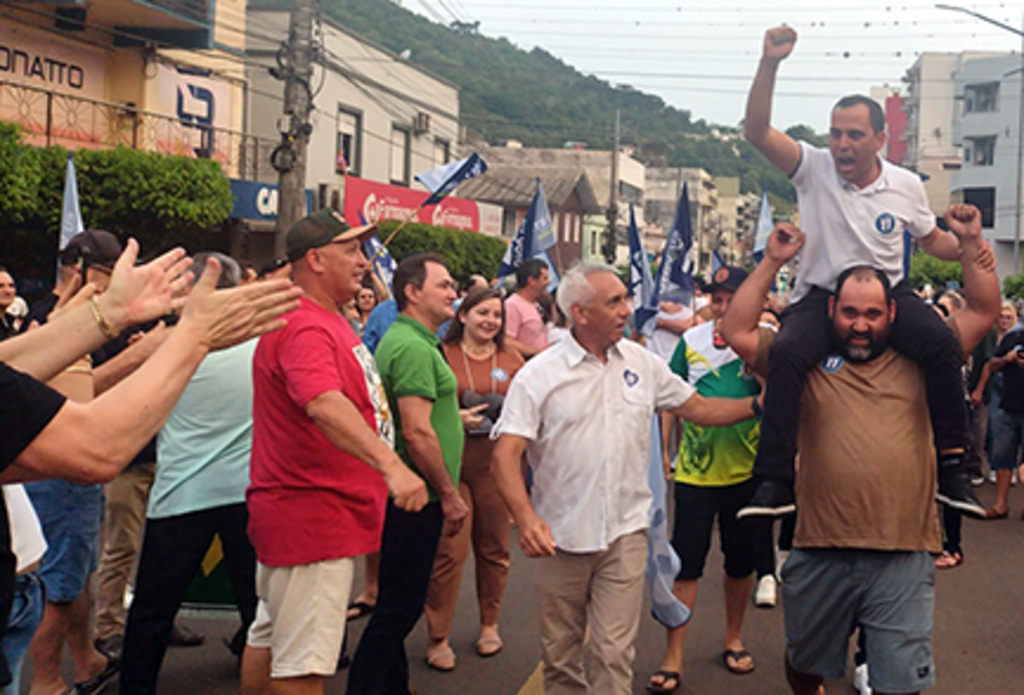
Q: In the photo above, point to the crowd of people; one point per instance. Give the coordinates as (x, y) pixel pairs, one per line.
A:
(308, 414)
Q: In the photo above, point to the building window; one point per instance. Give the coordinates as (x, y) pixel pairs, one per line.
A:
(981, 98)
(985, 200)
(350, 142)
(980, 152)
(442, 152)
(401, 153)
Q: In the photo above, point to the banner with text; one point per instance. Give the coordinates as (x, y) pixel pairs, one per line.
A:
(381, 201)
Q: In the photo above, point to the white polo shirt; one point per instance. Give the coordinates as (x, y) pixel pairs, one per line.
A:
(589, 431)
(848, 226)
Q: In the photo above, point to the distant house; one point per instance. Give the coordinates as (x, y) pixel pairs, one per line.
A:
(570, 197)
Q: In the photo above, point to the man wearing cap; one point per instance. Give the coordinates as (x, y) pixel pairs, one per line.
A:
(322, 435)
(713, 478)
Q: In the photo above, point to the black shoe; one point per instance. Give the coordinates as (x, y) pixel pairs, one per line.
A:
(772, 498)
(99, 681)
(955, 491)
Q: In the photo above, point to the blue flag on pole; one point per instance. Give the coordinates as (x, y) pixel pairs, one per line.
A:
(716, 262)
(764, 227)
(675, 274)
(381, 260)
(70, 214)
(533, 238)
(442, 180)
(641, 284)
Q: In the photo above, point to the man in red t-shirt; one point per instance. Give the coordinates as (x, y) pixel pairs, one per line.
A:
(322, 465)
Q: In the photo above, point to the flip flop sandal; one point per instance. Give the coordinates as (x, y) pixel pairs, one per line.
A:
(361, 608)
(948, 561)
(99, 681)
(666, 676)
(433, 659)
(736, 655)
(489, 646)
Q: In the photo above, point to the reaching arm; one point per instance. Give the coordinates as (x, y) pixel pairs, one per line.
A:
(534, 535)
(340, 421)
(129, 359)
(941, 245)
(780, 149)
(981, 285)
(739, 324)
(715, 412)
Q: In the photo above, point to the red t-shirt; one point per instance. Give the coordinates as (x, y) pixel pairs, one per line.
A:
(308, 500)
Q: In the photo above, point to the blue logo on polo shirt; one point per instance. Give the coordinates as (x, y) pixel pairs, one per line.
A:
(631, 377)
(832, 364)
(499, 374)
(885, 223)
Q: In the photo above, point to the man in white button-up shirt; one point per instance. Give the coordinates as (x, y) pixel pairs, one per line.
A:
(581, 411)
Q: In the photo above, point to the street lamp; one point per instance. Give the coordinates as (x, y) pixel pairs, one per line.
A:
(1020, 120)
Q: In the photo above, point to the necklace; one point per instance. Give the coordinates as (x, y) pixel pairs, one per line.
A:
(469, 372)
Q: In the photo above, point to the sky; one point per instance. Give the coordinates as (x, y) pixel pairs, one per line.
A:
(702, 56)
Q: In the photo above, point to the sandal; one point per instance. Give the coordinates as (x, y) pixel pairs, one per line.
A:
(666, 677)
(357, 610)
(735, 655)
(489, 646)
(442, 660)
(948, 560)
(991, 514)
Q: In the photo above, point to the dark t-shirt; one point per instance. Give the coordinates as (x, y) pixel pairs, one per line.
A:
(26, 407)
(1013, 375)
(982, 354)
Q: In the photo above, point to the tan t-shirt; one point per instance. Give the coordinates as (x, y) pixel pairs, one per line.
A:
(867, 464)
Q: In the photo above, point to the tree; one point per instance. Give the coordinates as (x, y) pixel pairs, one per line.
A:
(1013, 286)
(929, 270)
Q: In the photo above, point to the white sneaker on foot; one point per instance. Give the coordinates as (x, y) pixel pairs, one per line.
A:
(765, 596)
(860, 680)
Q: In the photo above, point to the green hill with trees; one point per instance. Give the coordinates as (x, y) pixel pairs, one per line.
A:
(532, 96)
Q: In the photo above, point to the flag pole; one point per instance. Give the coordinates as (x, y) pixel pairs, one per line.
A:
(406, 221)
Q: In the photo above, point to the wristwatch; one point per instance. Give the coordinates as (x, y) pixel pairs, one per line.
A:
(755, 406)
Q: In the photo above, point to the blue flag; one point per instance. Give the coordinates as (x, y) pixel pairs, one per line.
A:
(716, 262)
(641, 284)
(533, 238)
(444, 179)
(764, 227)
(70, 213)
(674, 282)
(381, 260)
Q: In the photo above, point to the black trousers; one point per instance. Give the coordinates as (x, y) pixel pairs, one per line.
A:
(407, 551)
(172, 552)
(805, 339)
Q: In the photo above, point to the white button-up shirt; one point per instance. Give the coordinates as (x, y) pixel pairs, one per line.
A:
(589, 429)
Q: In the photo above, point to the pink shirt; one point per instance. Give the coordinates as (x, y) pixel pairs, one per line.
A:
(308, 500)
(524, 323)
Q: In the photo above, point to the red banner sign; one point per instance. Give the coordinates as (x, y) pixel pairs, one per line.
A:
(380, 201)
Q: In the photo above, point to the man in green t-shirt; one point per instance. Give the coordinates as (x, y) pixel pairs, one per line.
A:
(713, 478)
(422, 394)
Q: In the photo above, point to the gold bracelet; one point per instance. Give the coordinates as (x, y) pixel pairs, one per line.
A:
(105, 328)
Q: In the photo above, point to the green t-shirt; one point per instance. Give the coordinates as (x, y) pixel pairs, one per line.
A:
(410, 363)
(715, 456)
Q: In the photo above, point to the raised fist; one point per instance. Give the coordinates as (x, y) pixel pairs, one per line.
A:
(778, 43)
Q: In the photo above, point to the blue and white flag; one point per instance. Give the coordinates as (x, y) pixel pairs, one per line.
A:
(764, 227)
(641, 284)
(381, 260)
(674, 282)
(70, 214)
(533, 238)
(442, 180)
(716, 262)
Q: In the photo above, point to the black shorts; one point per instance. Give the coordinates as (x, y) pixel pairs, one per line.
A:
(696, 508)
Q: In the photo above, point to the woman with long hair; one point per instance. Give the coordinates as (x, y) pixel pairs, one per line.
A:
(484, 367)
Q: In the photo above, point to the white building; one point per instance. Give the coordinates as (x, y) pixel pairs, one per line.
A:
(664, 186)
(989, 132)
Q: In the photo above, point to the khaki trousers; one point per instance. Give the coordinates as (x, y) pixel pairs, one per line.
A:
(603, 591)
(487, 526)
(127, 497)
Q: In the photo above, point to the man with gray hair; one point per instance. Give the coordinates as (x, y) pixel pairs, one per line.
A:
(581, 411)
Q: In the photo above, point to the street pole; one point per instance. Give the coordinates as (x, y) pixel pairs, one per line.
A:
(1020, 121)
(611, 238)
(291, 195)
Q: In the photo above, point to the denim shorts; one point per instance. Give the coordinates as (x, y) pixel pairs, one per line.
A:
(26, 614)
(890, 596)
(1007, 430)
(70, 515)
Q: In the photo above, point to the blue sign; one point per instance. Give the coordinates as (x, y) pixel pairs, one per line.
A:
(258, 201)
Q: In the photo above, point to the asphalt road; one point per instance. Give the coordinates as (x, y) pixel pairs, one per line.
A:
(977, 640)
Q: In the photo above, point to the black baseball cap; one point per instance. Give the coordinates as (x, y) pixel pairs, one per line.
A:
(320, 229)
(728, 277)
(95, 245)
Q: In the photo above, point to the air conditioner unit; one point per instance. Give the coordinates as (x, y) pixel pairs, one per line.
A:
(421, 123)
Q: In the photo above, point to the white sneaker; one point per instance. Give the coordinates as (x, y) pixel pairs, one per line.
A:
(992, 477)
(860, 680)
(766, 588)
(1013, 478)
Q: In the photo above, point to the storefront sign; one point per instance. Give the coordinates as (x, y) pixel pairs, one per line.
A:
(37, 59)
(374, 202)
(258, 201)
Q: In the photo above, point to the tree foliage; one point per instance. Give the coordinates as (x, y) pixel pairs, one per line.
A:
(1013, 286)
(160, 200)
(532, 96)
(929, 270)
(466, 252)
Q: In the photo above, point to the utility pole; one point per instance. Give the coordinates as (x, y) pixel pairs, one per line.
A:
(289, 158)
(611, 241)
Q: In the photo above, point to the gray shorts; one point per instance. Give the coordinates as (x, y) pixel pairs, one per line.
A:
(827, 594)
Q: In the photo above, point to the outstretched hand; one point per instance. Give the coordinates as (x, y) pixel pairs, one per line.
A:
(784, 243)
(142, 293)
(778, 43)
(224, 318)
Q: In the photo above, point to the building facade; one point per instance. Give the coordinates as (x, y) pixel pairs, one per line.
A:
(664, 187)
